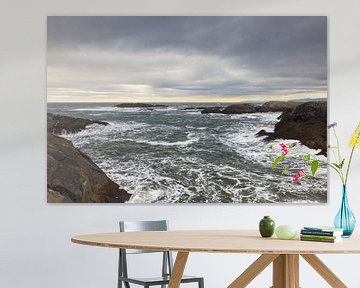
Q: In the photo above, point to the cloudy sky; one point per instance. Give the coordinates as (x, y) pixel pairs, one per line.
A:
(185, 59)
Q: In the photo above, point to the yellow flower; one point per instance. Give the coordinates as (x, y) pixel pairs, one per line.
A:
(355, 138)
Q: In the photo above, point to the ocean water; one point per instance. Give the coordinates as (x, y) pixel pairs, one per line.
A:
(173, 155)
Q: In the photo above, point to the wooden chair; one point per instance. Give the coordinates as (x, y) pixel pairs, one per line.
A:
(167, 262)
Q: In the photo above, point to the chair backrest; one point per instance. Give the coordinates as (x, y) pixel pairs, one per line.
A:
(134, 226)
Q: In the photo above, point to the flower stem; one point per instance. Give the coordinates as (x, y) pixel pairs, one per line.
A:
(348, 167)
(339, 154)
(350, 159)
(333, 152)
(338, 145)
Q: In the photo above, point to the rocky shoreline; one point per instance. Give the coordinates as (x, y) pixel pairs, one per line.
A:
(59, 124)
(72, 177)
(306, 123)
(303, 121)
(241, 108)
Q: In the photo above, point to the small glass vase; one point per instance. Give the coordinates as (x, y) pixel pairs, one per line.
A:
(345, 219)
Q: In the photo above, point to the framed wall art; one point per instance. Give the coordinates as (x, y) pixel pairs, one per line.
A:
(177, 109)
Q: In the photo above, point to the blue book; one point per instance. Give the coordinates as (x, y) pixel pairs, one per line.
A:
(322, 231)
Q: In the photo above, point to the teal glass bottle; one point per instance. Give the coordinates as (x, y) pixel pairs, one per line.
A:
(267, 227)
(345, 219)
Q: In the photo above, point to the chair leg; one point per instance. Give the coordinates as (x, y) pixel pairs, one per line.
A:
(201, 283)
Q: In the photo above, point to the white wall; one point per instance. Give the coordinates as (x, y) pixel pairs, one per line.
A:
(35, 248)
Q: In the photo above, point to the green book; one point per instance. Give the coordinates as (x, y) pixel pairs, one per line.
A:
(319, 236)
(325, 240)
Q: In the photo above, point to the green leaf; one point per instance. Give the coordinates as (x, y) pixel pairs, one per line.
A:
(314, 167)
(339, 166)
(307, 157)
(271, 146)
(277, 161)
(342, 163)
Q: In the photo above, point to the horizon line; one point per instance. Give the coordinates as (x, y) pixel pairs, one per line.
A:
(179, 102)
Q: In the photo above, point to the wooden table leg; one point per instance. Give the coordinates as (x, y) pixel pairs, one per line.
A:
(286, 271)
(324, 271)
(293, 261)
(178, 270)
(253, 270)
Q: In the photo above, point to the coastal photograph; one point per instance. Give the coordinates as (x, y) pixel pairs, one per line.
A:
(186, 109)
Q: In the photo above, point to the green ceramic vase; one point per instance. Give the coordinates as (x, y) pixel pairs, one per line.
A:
(267, 227)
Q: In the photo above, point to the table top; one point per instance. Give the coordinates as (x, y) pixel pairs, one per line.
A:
(216, 241)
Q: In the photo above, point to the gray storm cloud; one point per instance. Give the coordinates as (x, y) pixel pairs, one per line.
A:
(172, 58)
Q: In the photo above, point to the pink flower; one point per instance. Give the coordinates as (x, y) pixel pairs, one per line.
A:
(299, 174)
(284, 149)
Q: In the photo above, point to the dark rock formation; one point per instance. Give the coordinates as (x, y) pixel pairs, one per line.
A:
(73, 177)
(241, 108)
(208, 110)
(197, 108)
(59, 124)
(306, 123)
(262, 132)
(138, 105)
(301, 121)
(278, 106)
(57, 197)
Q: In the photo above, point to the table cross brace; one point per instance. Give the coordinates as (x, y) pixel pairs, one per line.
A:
(286, 271)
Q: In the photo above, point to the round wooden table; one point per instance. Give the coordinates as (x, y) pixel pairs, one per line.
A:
(284, 254)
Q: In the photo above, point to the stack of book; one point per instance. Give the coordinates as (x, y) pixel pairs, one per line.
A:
(321, 234)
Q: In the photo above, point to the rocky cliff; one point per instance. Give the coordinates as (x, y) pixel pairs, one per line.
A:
(306, 123)
(71, 175)
(301, 121)
(59, 124)
(279, 106)
(74, 177)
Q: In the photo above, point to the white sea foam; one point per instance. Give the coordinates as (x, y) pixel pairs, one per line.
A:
(189, 175)
(164, 109)
(132, 110)
(144, 109)
(97, 132)
(191, 139)
(99, 108)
